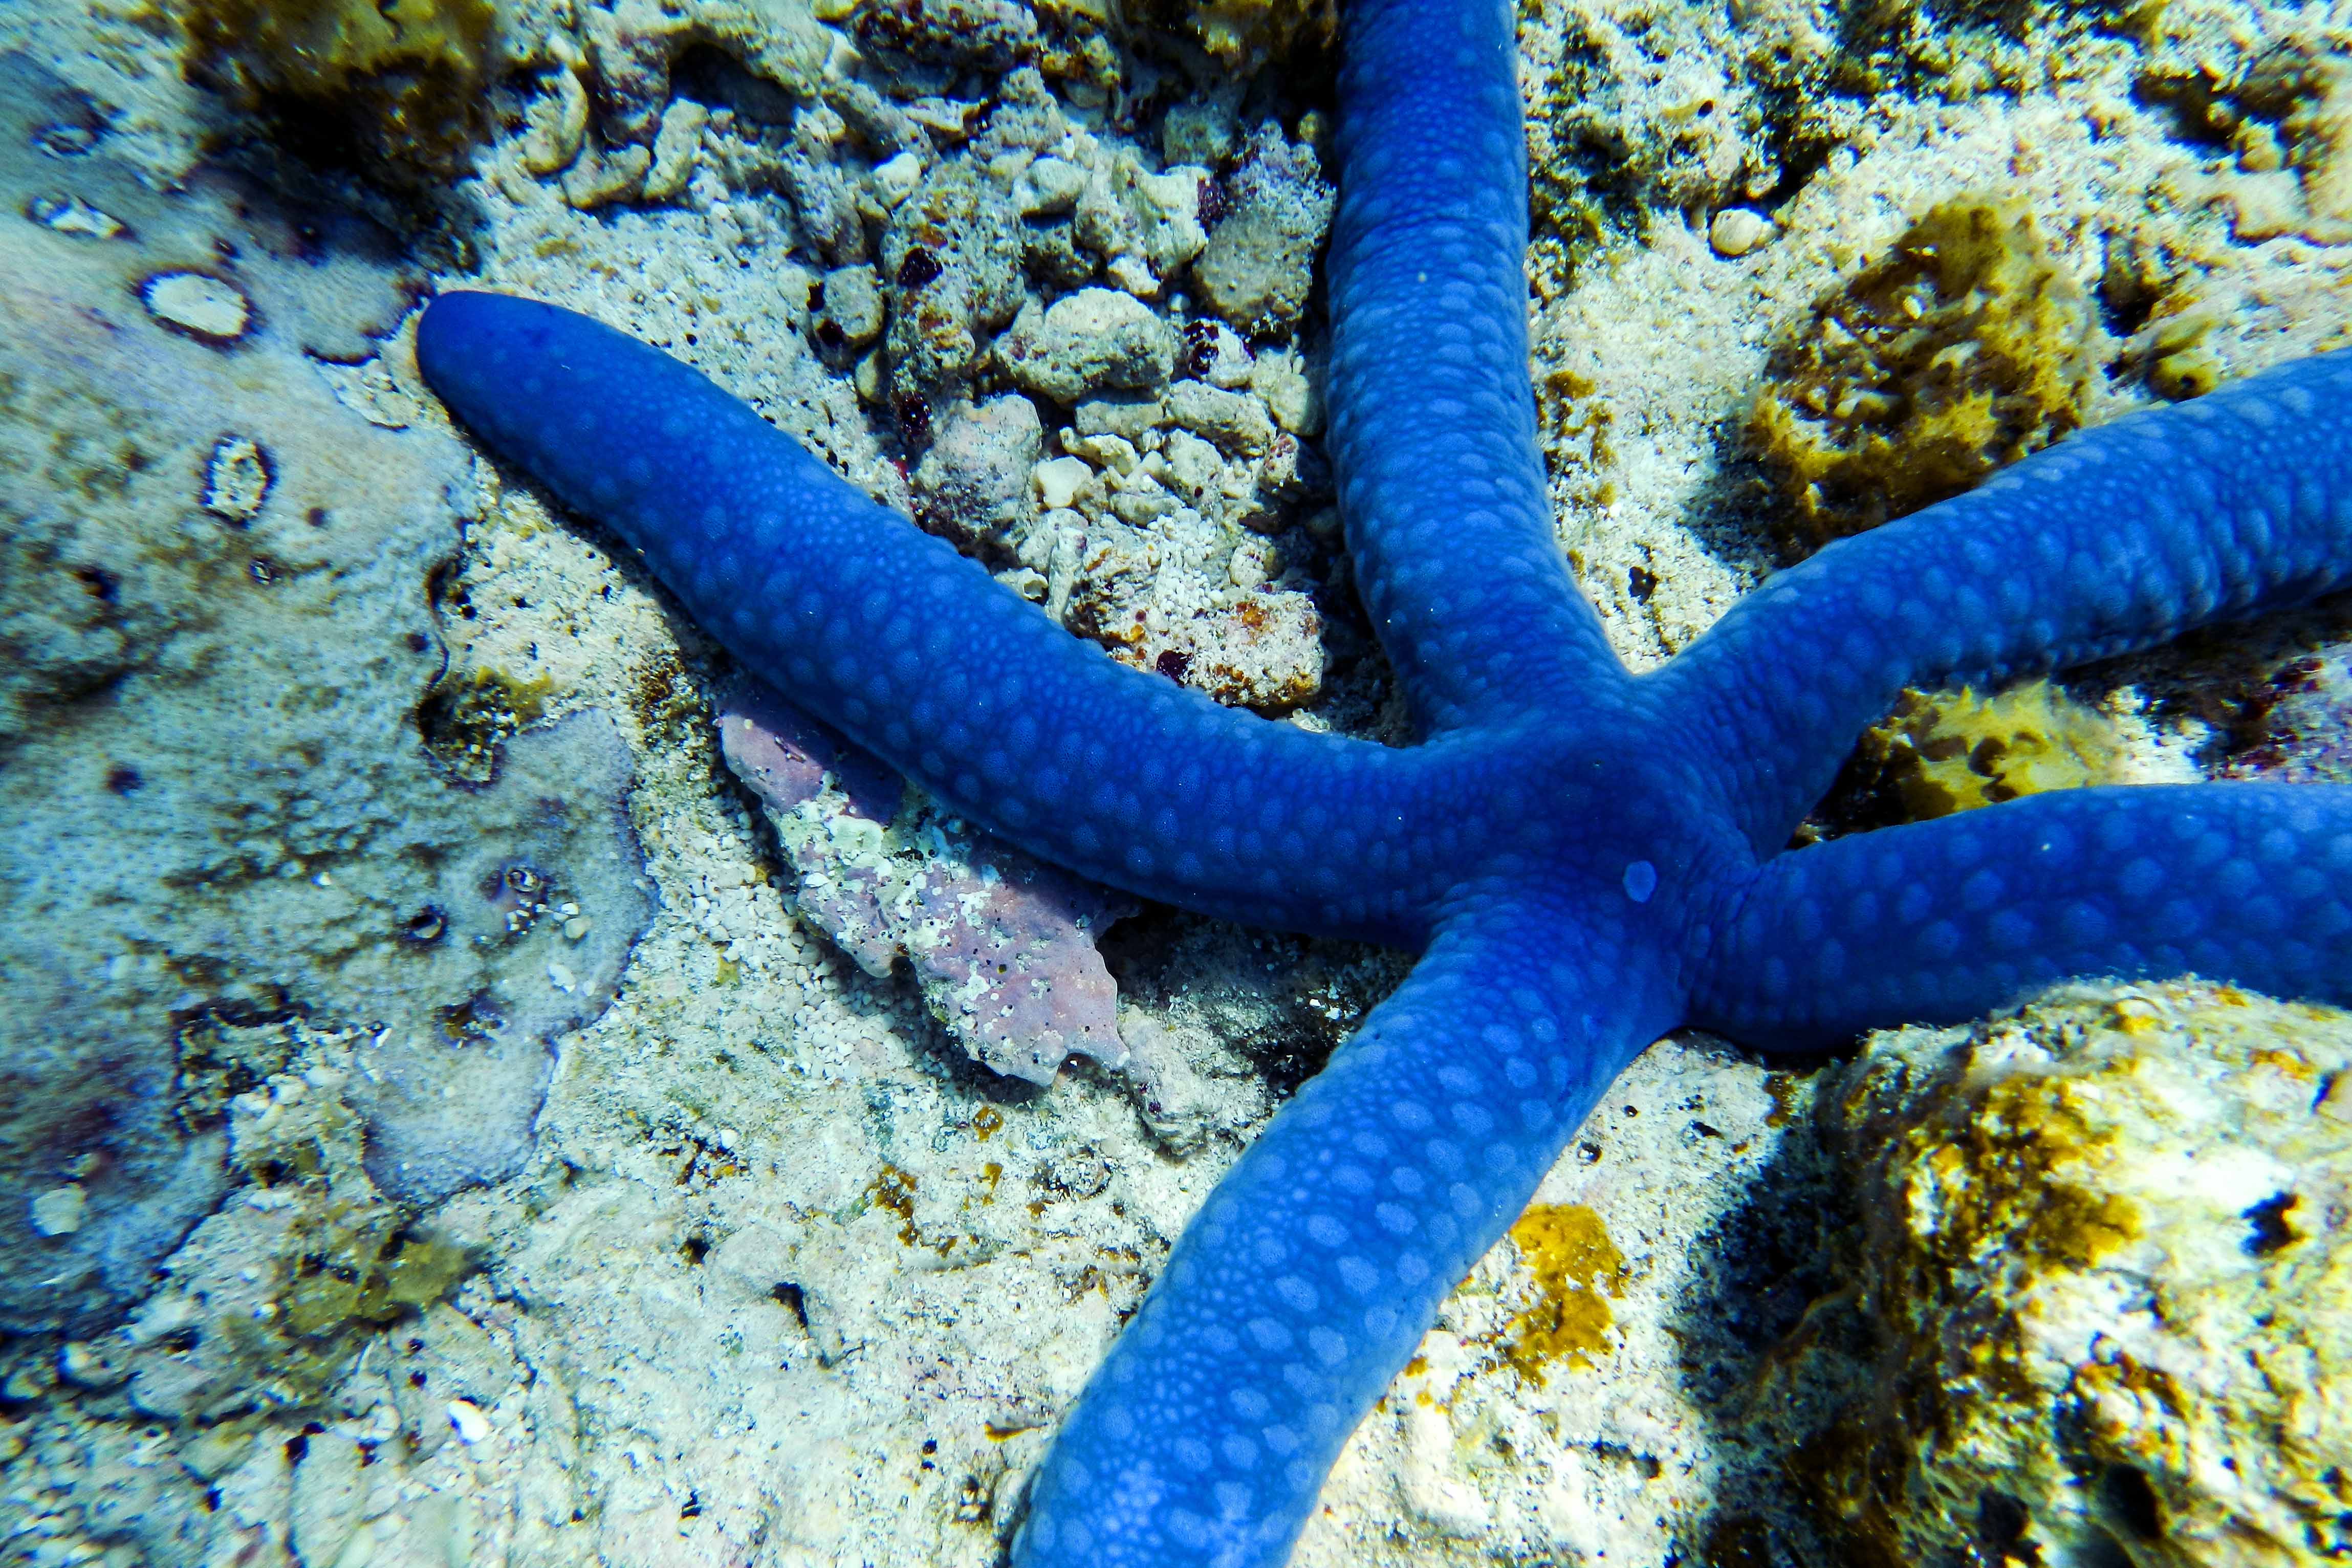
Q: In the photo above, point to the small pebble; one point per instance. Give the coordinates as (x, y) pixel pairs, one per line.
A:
(58, 1212)
(561, 977)
(1736, 231)
(198, 303)
(1059, 480)
(472, 1426)
(237, 478)
(71, 215)
(85, 1364)
(575, 928)
(1254, 563)
(895, 179)
(1049, 186)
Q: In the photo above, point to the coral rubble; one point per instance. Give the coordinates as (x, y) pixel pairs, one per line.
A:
(695, 1328)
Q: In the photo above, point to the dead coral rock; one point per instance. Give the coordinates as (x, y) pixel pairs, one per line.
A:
(1685, 105)
(851, 314)
(1094, 340)
(972, 485)
(2107, 1273)
(1261, 649)
(1263, 653)
(634, 43)
(2305, 85)
(932, 43)
(1967, 347)
(405, 77)
(1244, 35)
(952, 266)
(1145, 226)
(1259, 264)
(1002, 946)
(2287, 118)
(1238, 422)
(1026, 117)
(603, 176)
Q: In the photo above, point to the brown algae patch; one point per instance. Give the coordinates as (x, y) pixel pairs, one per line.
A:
(893, 1189)
(1962, 350)
(402, 79)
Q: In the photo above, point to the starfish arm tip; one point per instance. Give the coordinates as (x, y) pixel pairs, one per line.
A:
(917, 654)
(1314, 1268)
(1944, 921)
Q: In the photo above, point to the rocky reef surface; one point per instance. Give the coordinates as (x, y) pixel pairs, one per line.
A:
(2100, 1260)
(483, 1085)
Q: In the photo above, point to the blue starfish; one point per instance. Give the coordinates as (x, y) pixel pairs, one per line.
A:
(1583, 859)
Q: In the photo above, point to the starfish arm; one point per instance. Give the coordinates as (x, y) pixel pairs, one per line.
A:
(2120, 538)
(1943, 920)
(917, 654)
(1314, 1268)
(1433, 428)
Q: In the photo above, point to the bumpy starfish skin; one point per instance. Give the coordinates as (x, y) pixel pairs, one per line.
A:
(1585, 858)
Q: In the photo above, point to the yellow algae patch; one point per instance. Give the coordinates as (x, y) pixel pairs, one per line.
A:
(2028, 1173)
(1956, 750)
(1574, 1267)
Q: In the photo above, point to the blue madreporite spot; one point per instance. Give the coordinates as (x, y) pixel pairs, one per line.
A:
(1583, 859)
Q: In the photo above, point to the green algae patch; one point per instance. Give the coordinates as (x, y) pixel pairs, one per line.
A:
(1574, 1267)
(1956, 750)
(1964, 349)
(404, 78)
